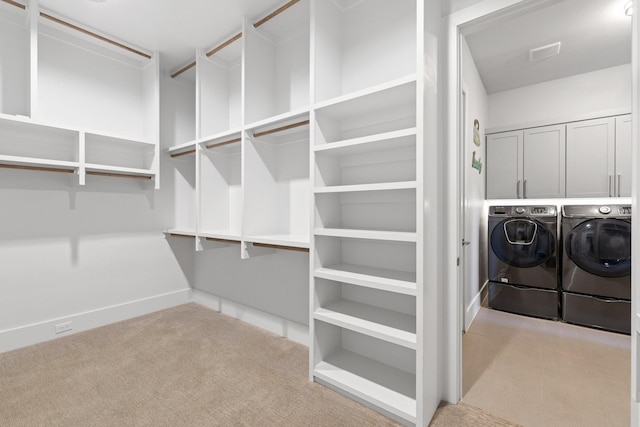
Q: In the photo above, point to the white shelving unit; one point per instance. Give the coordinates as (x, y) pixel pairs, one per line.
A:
(79, 104)
(328, 157)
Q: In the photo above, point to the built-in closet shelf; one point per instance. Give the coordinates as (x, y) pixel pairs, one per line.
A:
(281, 120)
(118, 171)
(38, 164)
(389, 93)
(398, 236)
(383, 279)
(392, 326)
(227, 235)
(382, 385)
(380, 141)
(284, 240)
(181, 232)
(405, 185)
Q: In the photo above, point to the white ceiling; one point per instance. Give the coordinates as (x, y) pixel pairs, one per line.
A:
(594, 34)
(175, 28)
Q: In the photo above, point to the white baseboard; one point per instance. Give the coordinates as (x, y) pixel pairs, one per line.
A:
(473, 308)
(23, 336)
(285, 328)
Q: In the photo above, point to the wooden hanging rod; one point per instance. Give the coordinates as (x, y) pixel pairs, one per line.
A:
(92, 34)
(215, 239)
(288, 248)
(37, 168)
(179, 235)
(270, 16)
(220, 144)
(15, 3)
(184, 153)
(118, 175)
(281, 128)
(275, 13)
(211, 52)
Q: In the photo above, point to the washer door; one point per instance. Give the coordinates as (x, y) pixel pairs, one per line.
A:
(601, 247)
(521, 242)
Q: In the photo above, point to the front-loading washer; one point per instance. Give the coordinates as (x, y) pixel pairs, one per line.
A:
(523, 255)
(596, 266)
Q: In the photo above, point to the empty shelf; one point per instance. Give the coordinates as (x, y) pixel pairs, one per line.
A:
(181, 232)
(37, 163)
(382, 385)
(404, 185)
(391, 326)
(372, 277)
(292, 240)
(118, 170)
(221, 235)
(398, 236)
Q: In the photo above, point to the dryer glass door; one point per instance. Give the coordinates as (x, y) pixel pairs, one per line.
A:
(601, 247)
(522, 242)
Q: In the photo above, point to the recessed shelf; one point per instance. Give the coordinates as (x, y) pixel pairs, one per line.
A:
(389, 388)
(398, 236)
(384, 279)
(394, 327)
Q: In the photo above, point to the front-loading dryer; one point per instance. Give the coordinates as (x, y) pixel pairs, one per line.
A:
(596, 266)
(523, 254)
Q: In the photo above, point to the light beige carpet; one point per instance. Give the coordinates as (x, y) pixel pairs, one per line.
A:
(186, 366)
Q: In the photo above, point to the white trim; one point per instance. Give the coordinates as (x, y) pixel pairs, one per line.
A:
(283, 327)
(26, 335)
(473, 308)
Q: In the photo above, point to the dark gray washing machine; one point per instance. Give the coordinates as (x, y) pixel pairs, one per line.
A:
(596, 266)
(523, 255)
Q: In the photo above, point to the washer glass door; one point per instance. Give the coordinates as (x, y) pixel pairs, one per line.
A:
(601, 247)
(522, 242)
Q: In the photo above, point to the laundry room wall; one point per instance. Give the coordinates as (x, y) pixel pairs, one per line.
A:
(477, 109)
(603, 91)
(89, 255)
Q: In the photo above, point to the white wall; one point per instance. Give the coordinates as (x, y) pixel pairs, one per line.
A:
(476, 229)
(92, 255)
(564, 99)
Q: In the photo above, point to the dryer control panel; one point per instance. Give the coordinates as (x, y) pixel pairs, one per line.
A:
(596, 211)
(516, 211)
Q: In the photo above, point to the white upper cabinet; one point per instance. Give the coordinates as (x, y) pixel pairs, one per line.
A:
(623, 156)
(544, 162)
(591, 158)
(504, 165)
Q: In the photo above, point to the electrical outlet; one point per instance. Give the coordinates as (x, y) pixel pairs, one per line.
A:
(63, 327)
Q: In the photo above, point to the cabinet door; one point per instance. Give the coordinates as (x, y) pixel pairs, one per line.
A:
(590, 158)
(544, 155)
(623, 156)
(504, 165)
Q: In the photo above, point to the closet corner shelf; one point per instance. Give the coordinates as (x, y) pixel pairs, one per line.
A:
(382, 385)
(385, 140)
(387, 325)
(285, 240)
(399, 236)
(402, 185)
(377, 90)
(383, 279)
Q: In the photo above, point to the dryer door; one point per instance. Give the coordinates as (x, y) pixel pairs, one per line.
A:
(522, 242)
(601, 247)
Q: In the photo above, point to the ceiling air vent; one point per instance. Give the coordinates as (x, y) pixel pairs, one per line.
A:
(544, 52)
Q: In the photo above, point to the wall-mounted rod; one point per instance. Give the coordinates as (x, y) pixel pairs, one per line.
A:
(275, 13)
(184, 153)
(288, 248)
(15, 3)
(118, 175)
(281, 128)
(179, 235)
(224, 44)
(215, 239)
(92, 34)
(37, 168)
(220, 144)
(211, 52)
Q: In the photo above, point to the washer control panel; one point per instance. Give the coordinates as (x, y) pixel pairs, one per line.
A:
(539, 211)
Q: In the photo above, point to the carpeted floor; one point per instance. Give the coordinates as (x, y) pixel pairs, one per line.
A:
(186, 366)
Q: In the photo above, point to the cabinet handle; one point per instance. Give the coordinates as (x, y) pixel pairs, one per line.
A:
(618, 186)
(524, 189)
(610, 182)
(518, 189)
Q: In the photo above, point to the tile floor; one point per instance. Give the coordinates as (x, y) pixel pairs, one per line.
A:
(541, 373)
